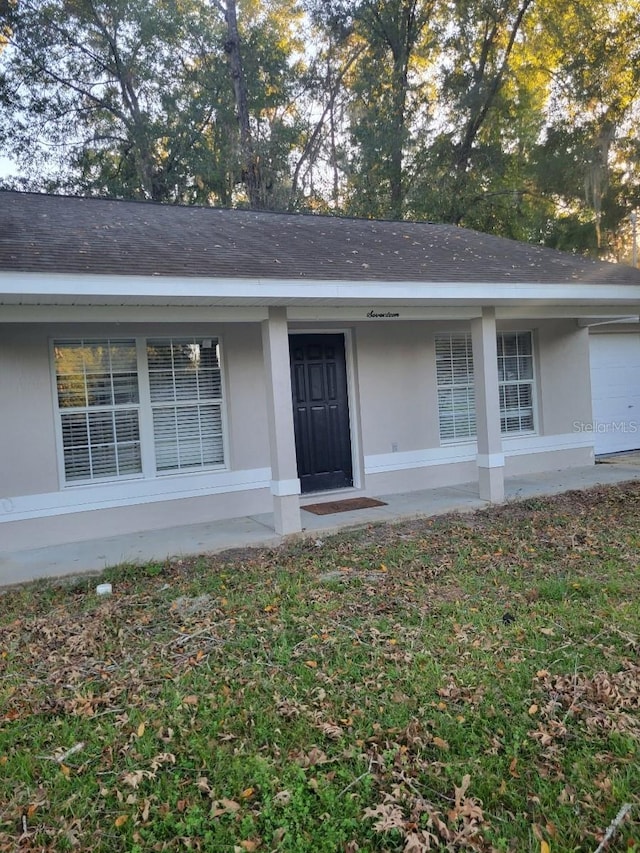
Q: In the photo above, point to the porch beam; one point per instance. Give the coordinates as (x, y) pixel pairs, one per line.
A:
(490, 459)
(285, 484)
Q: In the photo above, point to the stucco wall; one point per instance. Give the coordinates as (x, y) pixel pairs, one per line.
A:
(564, 386)
(115, 521)
(394, 415)
(27, 438)
(28, 455)
(399, 406)
(397, 387)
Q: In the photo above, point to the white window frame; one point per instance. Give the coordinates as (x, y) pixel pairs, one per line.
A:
(518, 382)
(448, 440)
(466, 417)
(145, 412)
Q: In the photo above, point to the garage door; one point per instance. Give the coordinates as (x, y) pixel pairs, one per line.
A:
(615, 389)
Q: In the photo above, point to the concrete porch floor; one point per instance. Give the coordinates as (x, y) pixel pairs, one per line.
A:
(97, 554)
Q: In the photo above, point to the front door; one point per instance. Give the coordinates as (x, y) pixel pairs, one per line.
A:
(321, 412)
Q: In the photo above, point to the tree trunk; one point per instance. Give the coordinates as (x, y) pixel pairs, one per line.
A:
(488, 87)
(250, 163)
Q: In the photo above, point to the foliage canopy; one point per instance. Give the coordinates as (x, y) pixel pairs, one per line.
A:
(517, 117)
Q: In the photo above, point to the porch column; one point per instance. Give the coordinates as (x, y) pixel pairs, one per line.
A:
(485, 369)
(285, 485)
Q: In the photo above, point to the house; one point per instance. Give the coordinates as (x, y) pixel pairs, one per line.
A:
(162, 365)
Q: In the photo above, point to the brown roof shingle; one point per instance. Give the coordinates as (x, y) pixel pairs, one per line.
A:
(45, 233)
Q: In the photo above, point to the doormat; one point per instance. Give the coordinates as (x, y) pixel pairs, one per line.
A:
(342, 506)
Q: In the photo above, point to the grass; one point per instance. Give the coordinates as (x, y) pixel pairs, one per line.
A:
(460, 683)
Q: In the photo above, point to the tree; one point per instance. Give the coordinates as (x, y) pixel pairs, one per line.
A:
(586, 158)
(515, 117)
(477, 89)
(387, 42)
(142, 99)
(97, 87)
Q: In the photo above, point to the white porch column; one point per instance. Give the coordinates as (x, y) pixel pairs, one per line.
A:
(485, 369)
(285, 485)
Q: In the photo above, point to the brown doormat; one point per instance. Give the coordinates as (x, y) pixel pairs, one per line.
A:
(330, 507)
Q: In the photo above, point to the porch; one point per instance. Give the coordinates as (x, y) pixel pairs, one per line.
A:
(97, 554)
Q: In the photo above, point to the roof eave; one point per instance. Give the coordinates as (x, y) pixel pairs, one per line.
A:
(82, 289)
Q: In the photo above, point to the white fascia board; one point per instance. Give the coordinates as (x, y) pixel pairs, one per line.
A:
(30, 313)
(157, 290)
(587, 323)
(586, 315)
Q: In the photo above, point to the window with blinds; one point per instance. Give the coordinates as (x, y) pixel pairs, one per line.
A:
(186, 400)
(98, 397)
(515, 378)
(454, 371)
(456, 400)
(108, 415)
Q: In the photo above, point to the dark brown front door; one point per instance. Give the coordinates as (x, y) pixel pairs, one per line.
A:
(321, 412)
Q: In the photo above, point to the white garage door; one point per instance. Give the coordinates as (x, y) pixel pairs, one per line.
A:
(615, 389)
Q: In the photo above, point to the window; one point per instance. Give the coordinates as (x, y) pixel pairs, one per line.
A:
(186, 401)
(456, 400)
(454, 373)
(515, 381)
(116, 397)
(98, 397)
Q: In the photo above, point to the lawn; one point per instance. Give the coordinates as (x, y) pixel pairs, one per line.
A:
(468, 682)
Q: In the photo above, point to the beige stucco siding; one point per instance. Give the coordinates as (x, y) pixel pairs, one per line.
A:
(114, 521)
(399, 404)
(28, 452)
(397, 387)
(28, 462)
(394, 418)
(247, 435)
(397, 373)
(564, 386)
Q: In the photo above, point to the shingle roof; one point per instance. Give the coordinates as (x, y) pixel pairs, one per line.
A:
(45, 233)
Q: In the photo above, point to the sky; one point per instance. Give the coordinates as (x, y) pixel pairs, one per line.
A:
(6, 166)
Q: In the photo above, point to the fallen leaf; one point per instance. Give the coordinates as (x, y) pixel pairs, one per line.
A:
(544, 847)
(141, 729)
(548, 632)
(440, 743)
(66, 771)
(121, 820)
(533, 709)
(282, 798)
(203, 785)
(135, 777)
(144, 814)
(332, 731)
(312, 664)
(247, 793)
(190, 700)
